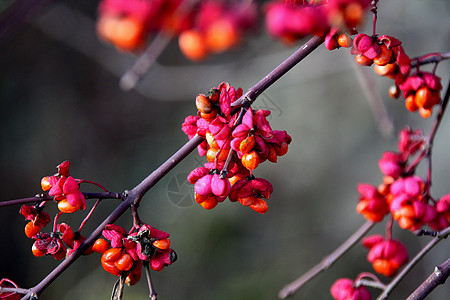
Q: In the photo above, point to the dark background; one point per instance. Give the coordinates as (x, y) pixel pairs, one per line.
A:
(60, 100)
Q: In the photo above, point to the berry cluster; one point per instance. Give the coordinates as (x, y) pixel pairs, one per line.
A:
(234, 145)
(126, 251)
(127, 23)
(217, 26)
(124, 254)
(386, 256)
(344, 289)
(203, 28)
(64, 189)
(403, 193)
(421, 90)
(291, 20)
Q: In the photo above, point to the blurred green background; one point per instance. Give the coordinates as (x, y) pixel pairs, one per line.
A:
(60, 100)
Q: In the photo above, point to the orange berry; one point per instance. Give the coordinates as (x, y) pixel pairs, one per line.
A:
(192, 44)
(260, 206)
(45, 184)
(31, 229)
(36, 251)
(362, 60)
(200, 198)
(211, 140)
(246, 201)
(110, 267)
(111, 254)
(66, 208)
(247, 145)
(221, 35)
(425, 112)
(211, 154)
(100, 245)
(388, 70)
(162, 244)
(210, 116)
(353, 15)
(424, 97)
(394, 92)
(384, 57)
(209, 203)
(124, 262)
(129, 34)
(384, 267)
(234, 179)
(344, 40)
(410, 103)
(106, 27)
(203, 104)
(250, 160)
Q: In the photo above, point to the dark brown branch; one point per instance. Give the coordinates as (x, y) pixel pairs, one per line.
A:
(439, 276)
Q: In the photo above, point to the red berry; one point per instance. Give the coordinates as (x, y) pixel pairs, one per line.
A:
(384, 57)
(362, 60)
(45, 184)
(31, 229)
(36, 251)
(66, 208)
(100, 245)
(250, 160)
(162, 244)
(124, 262)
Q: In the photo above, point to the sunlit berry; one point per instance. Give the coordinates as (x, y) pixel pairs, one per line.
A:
(394, 92)
(424, 97)
(66, 208)
(247, 144)
(203, 104)
(221, 35)
(36, 251)
(387, 70)
(425, 112)
(45, 183)
(192, 44)
(250, 160)
(100, 245)
(410, 103)
(162, 244)
(344, 40)
(384, 57)
(124, 262)
(31, 229)
(259, 206)
(363, 60)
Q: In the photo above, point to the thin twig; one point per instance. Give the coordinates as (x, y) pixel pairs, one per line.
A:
(327, 262)
(442, 235)
(152, 292)
(132, 76)
(44, 197)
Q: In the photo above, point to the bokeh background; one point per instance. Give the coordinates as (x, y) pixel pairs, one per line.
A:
(60, 100)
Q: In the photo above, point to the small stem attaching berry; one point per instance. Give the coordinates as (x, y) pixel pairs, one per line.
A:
(88, 215)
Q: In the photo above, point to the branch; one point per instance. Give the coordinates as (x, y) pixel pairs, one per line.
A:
(138, 191)
(441, 235)
(45, 197)
(327, 262)
(436, 278)
(279, 71)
